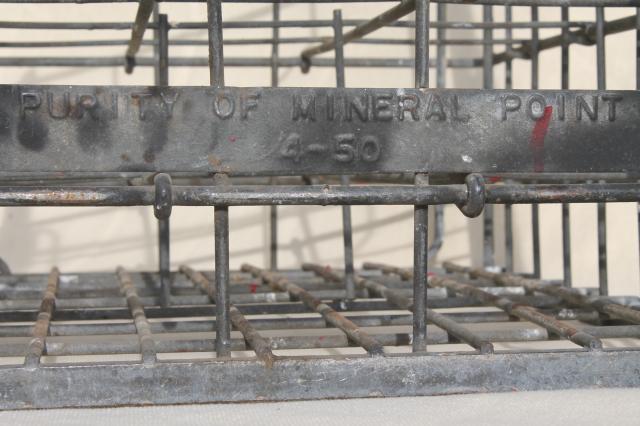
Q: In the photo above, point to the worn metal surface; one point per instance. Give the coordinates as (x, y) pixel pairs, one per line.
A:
(253, 131)
(107, 329)
(348, 377)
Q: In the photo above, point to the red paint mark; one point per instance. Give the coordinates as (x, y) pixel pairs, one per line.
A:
(327, 268)
(253, 287)
(321, 338)
(430, 274)
(495, 179)
(233, 138)
(537, 139)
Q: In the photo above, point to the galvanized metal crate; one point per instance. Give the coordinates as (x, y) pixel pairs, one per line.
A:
(264, 333)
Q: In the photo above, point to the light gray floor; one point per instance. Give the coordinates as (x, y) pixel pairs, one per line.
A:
(584, 407)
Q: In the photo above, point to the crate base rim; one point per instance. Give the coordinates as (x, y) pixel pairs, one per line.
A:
(131, 384)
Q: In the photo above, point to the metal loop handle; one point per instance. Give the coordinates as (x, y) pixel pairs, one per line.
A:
(164, 196)
(476, 194)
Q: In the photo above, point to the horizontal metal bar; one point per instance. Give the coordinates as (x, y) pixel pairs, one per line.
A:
(249, 41)
(258, 131)
(228, 62)
(300, 338)
(570, 3)
(295, 379)
(246, 195)
(301, 23)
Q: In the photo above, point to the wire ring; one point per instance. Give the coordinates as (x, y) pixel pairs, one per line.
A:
(164, 196)
(476, 195)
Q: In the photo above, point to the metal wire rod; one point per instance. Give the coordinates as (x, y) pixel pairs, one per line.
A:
(250, 195)
(521, 311)
(569, 295)
(145, 9)
(402, 302)
(147, 344)
(585, 36)
(572, 3)
(280, 283)
(40, 330)
(260, 346)
(303, 23)
(250, 41)
(229, 62)
(404, 8)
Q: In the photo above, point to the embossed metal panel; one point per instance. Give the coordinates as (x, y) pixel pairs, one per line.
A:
(263, 131)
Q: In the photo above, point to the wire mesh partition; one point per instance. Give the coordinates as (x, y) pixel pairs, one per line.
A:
(268, 333)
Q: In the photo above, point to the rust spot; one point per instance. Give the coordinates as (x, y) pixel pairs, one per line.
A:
(125, 157)
(253, 287)
(232, 138)
(214, 161)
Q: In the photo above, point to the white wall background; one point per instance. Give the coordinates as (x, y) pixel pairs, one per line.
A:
(88, 239)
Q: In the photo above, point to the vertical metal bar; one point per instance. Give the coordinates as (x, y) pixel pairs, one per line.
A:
(638, 88)
(564, 15)
(339, 48)
(422, 44)
(535, 208)
(163, 50)
(347, 230)
(508, 84)
(600, 48)
(164, 261)
(223, 327)
(566, 210)
(508, 237)
(273, 210)
(162, 211)
(487, 58)
(275, 45)
(164, 234)
(216, 54)
(535, 47)
(487, 75)
(566, 244)
(441, 52)
(420, 213)
(221, 213)
(508, 74)
(420, 252)
(156, 45)
(487, 219)
(535, 228)
(602, 207)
